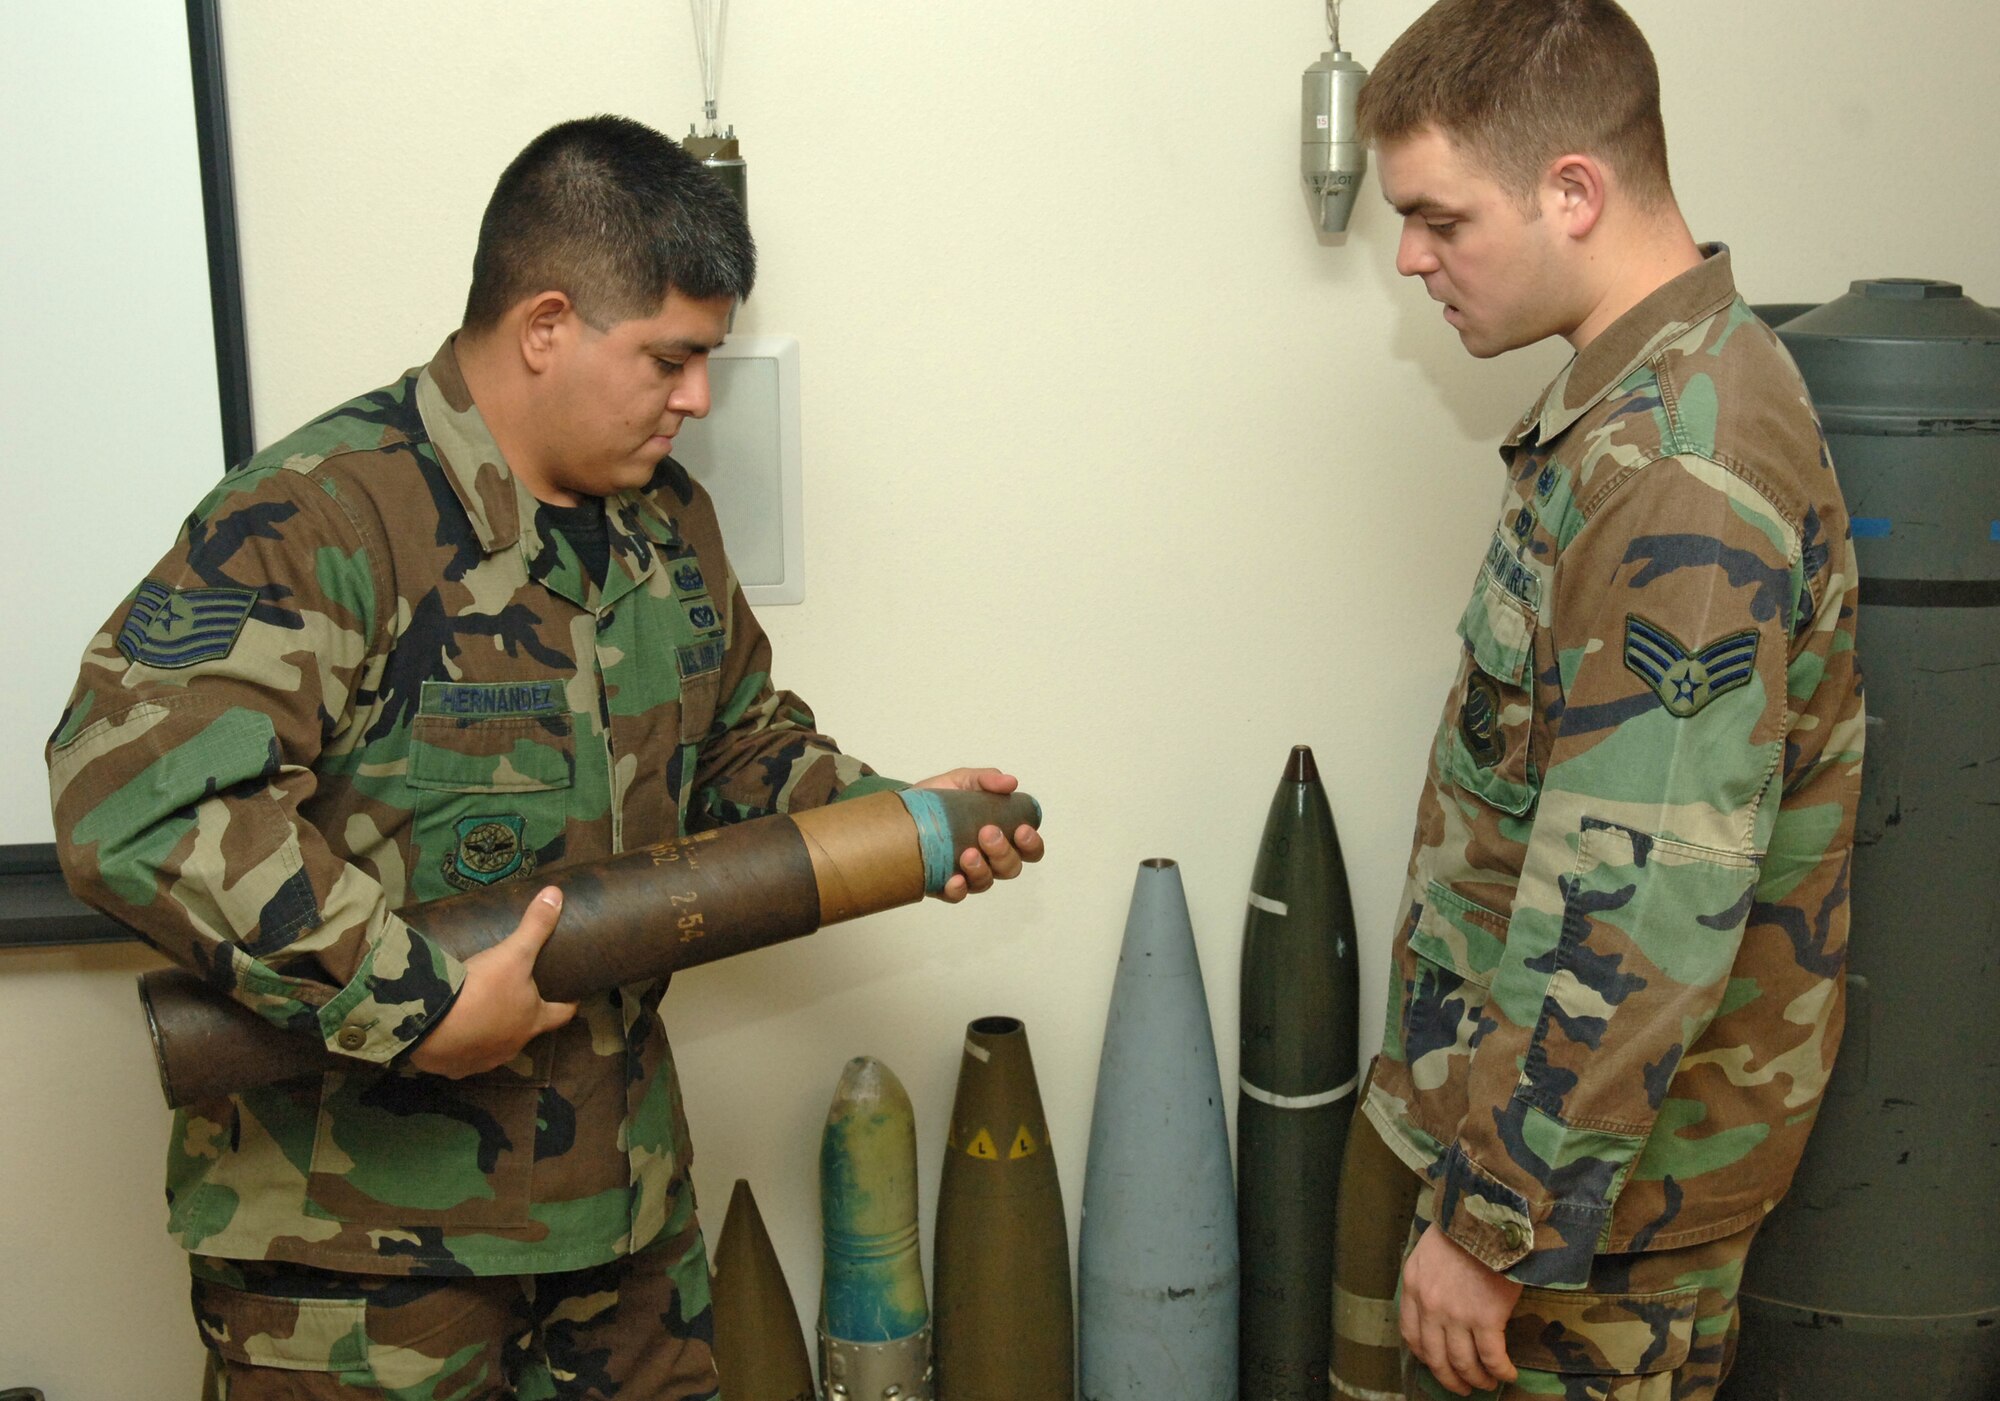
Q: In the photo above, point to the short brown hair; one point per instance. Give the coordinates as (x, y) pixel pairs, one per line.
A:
(1519, 82)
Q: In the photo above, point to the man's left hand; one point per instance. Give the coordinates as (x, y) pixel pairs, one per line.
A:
(1454, 1314)
(997, 857)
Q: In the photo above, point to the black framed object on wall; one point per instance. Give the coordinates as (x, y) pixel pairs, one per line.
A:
(110, 221)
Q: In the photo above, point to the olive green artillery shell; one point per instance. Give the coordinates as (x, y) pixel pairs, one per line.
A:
(1004, 1319)
(1378, 1198)
(1300, 1006)
(629, 919)
(760, 1350)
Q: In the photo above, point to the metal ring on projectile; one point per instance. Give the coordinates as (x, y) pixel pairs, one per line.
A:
(893, 1371)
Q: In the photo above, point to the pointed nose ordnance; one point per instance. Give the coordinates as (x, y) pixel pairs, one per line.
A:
(1157, 1273)
(875, 1326)
(760, 1350)
(1004, 1321)
(1299, 1068)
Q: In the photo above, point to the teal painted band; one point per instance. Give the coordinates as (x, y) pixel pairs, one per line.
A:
(933, 836)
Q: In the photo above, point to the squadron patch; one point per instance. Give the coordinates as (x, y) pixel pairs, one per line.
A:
(489, 849)
(174, 628)
(1687, 681)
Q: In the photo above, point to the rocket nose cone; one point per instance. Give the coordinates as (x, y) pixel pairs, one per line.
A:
(744, 1244)
(868, 1081)
(1300, 768)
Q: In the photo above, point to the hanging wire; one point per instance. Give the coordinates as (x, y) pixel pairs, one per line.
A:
(1333, 23)
(711, 17)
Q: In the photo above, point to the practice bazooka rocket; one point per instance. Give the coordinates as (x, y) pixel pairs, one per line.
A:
(1156, 1277)
(760, 1351)
(1300, 1064)
(874, 1326)
(631, 918)
(1004, 1325)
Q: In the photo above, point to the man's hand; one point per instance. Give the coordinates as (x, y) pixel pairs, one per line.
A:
(996, 857)
(1455, 1313)
(499, 1009)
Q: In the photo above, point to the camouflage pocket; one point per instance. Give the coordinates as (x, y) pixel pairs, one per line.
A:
(500, 754)
(1490, 718)
(1649, 933)
(396, 1149)
(1602, 1335)
(1448, 978)
(328, 1336)
(362, 1336)
(490, 797)
(700, 695)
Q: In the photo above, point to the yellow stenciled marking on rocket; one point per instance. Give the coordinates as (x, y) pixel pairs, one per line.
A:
(982, 1147)
(1024, 1144)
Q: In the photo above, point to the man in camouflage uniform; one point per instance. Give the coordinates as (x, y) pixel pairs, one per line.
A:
(455, 631)
(1616, 989)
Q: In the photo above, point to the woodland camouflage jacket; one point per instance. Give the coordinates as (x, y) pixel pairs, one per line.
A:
(1616, 989)
(365, 677)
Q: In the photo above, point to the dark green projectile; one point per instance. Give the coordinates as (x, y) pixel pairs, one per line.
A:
(1299, 1068)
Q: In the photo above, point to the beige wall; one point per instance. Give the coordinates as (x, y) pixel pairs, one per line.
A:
(1115, 474)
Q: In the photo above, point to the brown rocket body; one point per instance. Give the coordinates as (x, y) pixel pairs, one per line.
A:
(1004, 1323)
(1378, 1198)
(631, 918)
(760, 1350)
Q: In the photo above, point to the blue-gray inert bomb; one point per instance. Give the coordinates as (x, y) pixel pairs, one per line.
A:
(1156, 1278)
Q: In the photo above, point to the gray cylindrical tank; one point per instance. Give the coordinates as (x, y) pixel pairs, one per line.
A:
(1879, 1275)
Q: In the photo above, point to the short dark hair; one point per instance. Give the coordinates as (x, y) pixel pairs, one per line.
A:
(614, 215)
(1519, 82)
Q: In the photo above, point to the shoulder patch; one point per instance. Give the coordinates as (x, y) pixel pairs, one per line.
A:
(175, 628)
(1687, 681)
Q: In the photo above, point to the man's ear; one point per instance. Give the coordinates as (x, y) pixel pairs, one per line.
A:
(546, 321)
(1572, 191)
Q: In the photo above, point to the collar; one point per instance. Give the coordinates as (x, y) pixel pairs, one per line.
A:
(1669, 312)
(472, 462)
(502, 510)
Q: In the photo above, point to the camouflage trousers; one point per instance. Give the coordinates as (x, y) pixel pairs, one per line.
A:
(618, 1329)
(1656, 1325)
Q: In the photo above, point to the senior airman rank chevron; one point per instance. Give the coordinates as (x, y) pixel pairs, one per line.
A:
(1686, 682)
